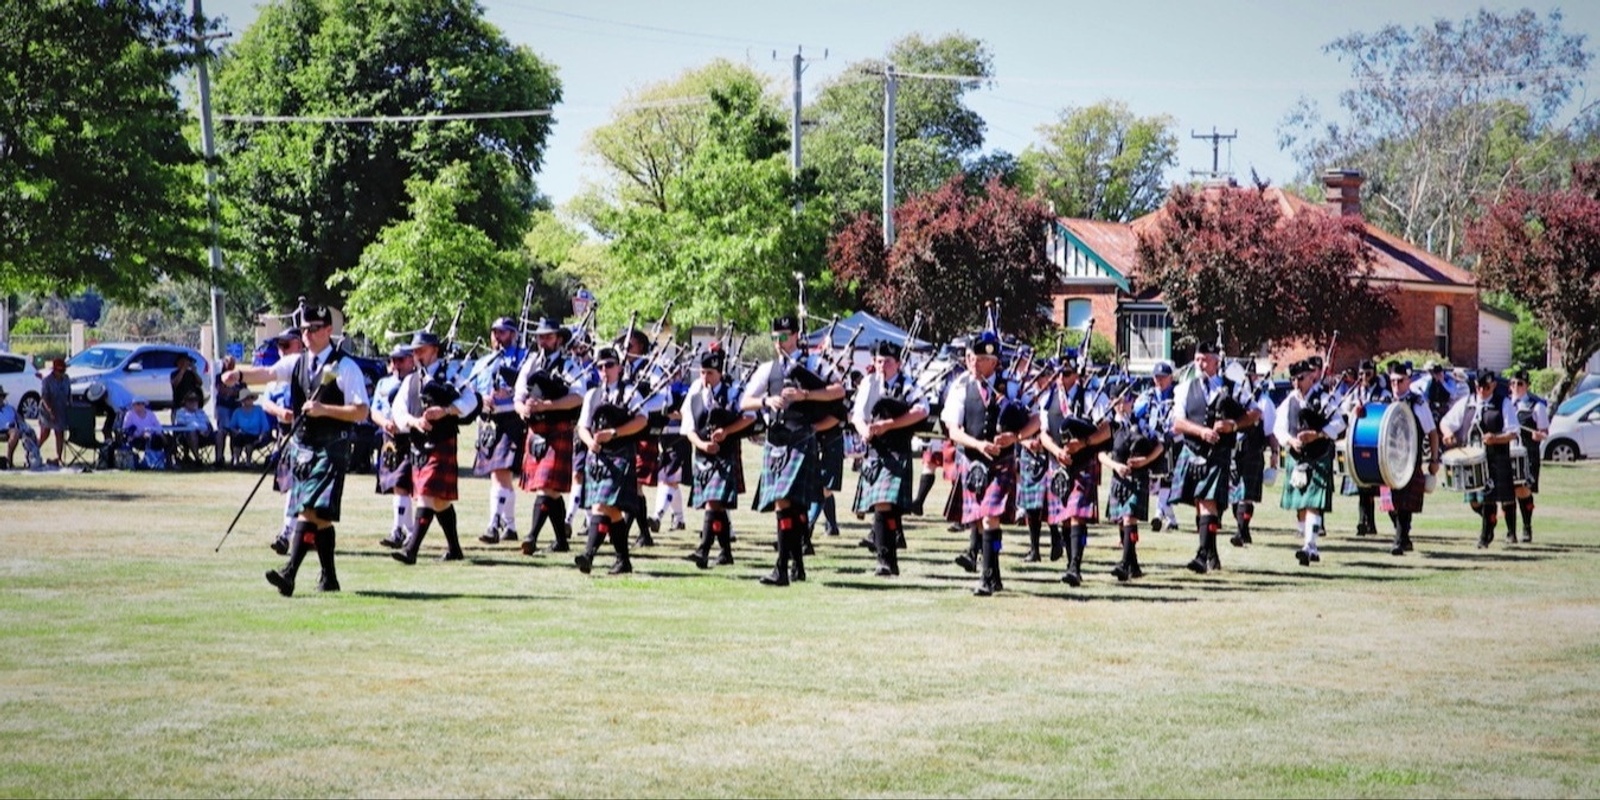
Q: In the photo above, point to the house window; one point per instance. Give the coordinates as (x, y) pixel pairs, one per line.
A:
(1078, 312)
(1441, 330)
(1148, 335)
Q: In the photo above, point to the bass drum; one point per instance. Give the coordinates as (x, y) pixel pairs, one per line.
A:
(1383, 446)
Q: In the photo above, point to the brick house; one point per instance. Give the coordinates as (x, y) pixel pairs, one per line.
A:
(1437, 301)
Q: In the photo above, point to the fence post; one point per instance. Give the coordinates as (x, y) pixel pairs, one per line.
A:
(79, 332)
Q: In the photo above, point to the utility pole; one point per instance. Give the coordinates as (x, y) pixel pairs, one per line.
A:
(891, 84)
(799, 61)
(219, 337)
(1216, 140)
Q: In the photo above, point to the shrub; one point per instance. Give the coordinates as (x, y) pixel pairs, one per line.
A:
(1417, 358)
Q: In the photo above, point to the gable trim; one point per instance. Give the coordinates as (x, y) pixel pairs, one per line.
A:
(1116, 277)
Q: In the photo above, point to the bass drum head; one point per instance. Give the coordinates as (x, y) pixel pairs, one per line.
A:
(1398, 445)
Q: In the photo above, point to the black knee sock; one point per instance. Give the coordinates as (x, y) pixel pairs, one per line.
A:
(619, 538)
(1206, 526)
(599, 531)
(1130, 544)
(708, 534)
(425, 517)
(447, 525)
(1056, 543)
(788, 534)
(1402, 523)
(1486, 533)
(1077, 536)
(722, 529)
(975, 540)
(325, 545)
(1035, 527)
(301, 543)
(1526, 504)
(1509, 510)
(541, 512)
(1243, 513)
(558, 519)
(830, 512)
(880, 527)
(924, 486)
(1368, 515)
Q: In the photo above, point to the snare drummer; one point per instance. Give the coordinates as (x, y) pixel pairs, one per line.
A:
(1533, 420)
(1489, 417)
(1407, 501)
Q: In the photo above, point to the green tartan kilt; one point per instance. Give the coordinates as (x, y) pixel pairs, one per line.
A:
(1198, 478)
(716, 478)
(1033, 480)
(318, 473)
(789, 471)
(1248, 474)
(609, 477)
(1318, 494)
(885, 478)
(1129, 497)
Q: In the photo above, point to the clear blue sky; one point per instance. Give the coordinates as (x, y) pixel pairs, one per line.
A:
(1232, 64)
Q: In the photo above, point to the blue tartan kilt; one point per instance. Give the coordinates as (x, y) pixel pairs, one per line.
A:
(610, 479)
(318, 473)
(1129, 497)
(1082, 500)
(501, 438)
(885, 478)
(1318, 493)
(1197, 478)
(1033, 480)
(716, 478)
(674, 464)
(394, 467)
(789, 472)
(830, 447)
(1247, 478)
(998, 497)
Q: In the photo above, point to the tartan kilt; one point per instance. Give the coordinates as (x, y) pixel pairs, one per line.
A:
(1197, 478)
(319, 485)
(953, 468)
(609, 478)
(1247, 479)
(547, 458)
(501, 439)
(676, 453)
(788, 472)
(885, 478)
(999, 497)
(830, 447)
(282, 473)
(716, 478)
(394, 473)
(436, 472)
(1083, 499)
(646, 460)
(1318, 494)
(1033, 480)
(1130, 496)
(1406, 498)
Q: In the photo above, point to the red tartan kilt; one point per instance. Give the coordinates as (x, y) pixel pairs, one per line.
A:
(438, 474)
(647, 460)
(945, 457)
(550, 470)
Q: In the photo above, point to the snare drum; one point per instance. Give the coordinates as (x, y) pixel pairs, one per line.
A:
(1521, 465)
(1466, 469)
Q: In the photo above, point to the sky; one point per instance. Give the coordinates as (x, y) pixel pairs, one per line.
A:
(1233, 66)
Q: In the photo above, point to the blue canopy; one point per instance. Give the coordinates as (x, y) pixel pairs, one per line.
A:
(874, 330)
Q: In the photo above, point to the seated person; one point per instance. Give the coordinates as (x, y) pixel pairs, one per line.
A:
(193, 428)
(142, 429)
(110, 400)
(248, 425)
(10, 427)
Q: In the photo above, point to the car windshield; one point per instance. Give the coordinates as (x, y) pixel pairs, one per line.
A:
(99, 358)
(1576, 403)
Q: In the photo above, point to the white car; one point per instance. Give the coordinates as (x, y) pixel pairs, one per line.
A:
(1575, 428)
(144, 370)
(21, 381)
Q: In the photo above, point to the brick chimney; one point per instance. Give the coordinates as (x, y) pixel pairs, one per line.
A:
(1342, 192)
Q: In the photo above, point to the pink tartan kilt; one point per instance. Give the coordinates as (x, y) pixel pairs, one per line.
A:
(437, 474)
(1082, 502)
(547, 458)
(999, 498)
(647, 461)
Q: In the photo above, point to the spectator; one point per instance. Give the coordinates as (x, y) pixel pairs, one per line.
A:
(10, 427)
(227, 403)
(110, 399)
(193, 427)
(249, 427)
(185, 381)
(142, 428)
(55, 396)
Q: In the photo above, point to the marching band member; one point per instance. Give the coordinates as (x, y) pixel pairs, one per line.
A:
(394, 456)
(712, 424)
(1133, 450)
(1407, 501)
(607, 425)
(1250, 460)
(790, 460)
(275, 401)
(430, 408)
(501, 433)
(1533, 420)
(548, 453)
(885, 427)
(676, 453)
(1489, 417)
(647, 455)
(1154, 412)
(1072, 429)
(1307, 429)
(1367, 389)
(1033, 474)
(1209, 439)
(830, 448)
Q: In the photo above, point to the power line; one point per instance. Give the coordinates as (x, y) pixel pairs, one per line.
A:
(330, 119)
(1420, 80)
(653, 28)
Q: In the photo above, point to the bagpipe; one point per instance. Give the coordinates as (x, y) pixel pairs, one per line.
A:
(889, 407)
(546, 383)
(1320, 407)
(1223, 402)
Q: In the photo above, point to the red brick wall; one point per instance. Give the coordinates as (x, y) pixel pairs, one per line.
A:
(1412, 329)
(1102, 304)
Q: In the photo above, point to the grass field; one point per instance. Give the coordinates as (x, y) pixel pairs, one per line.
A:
(136, 661)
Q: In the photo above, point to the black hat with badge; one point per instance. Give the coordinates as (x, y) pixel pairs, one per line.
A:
(786, 324)
(1301, 367)
(315, 315)
(987, 344)
(424, 339)
(714, 359)
(1367, 365)
(886, 349)
(1205, 349)
(1400, 369)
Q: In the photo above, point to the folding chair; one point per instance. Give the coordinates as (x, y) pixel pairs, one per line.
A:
(83, 442)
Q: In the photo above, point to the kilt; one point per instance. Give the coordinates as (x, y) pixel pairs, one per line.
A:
(1033, 480)
(885, 478)
(1501, 487)
(547, 459)
(1247, 474)
(945, 457)
(1407, 498)
(394, 471)
(788, 471)
(1082, 501)
(1318, 494)
(1130, 496)
(999, 497)
(501, 439)
(646, 460)
(675, 449)
(318, 477)
(609, 478)
(830, 447)
(282, 474)
(1198, 478)
(436, 472)
(716, 478)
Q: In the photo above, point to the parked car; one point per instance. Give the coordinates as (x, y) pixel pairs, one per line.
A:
(144, 370)
(21, 381)
(1575, 428)
(1586, 382)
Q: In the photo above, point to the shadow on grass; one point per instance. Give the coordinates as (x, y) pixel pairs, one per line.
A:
(1315, 572)
(61, 494)
(413, 595)
(1403, 563)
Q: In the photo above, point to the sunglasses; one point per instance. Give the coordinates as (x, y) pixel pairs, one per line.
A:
(313, 327)
(609, 364)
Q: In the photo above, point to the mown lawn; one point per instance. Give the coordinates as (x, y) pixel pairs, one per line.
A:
(136, 661)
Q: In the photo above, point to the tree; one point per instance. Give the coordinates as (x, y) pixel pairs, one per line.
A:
(307, 198)
(953, 251)
(100, 188)
(934, 130)
(1230, 255)
(1445, 114)
(1544, 249)
(1102, 162)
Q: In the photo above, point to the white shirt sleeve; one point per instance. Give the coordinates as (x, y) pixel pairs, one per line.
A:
(1508, 416)
(591, 399)
(404, 415)
(353, 383)
(283, 369)
(1455, 419)
(955, 400)
(1280, 421)
(1180, 403)
(757, 385)
(866, 395)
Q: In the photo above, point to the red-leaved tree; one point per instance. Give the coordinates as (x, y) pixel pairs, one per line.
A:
(1232, 255)
(1543, 248)
(953, 251)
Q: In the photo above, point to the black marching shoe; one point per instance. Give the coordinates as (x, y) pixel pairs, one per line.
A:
(883, 571)
(955, 527)
(1032, 556)
(280, 545)
(622, 567)
(1303, 556)
(868, 544)
(967, 562)
(1213, 564)
(409, 559)
(492, 535)
(1072, 577)
(699, 559)
(1121, 572)
(797, 573)
(285, 586)
(327, 584)
(396, 540)
(456, 555)
(584, 562)
(1197, 565)
(777, 577)
(725, 559)
(1155, 524)
(653, 524)
(561, 546)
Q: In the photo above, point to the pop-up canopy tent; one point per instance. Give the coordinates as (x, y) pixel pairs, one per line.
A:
(873, 331)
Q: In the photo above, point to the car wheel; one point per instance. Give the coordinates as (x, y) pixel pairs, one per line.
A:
(1562, 450)
(29, 407)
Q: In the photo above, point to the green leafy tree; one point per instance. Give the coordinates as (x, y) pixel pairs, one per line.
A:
(1102, 162)
(98, 186)
(935, 132)
(306, 199)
